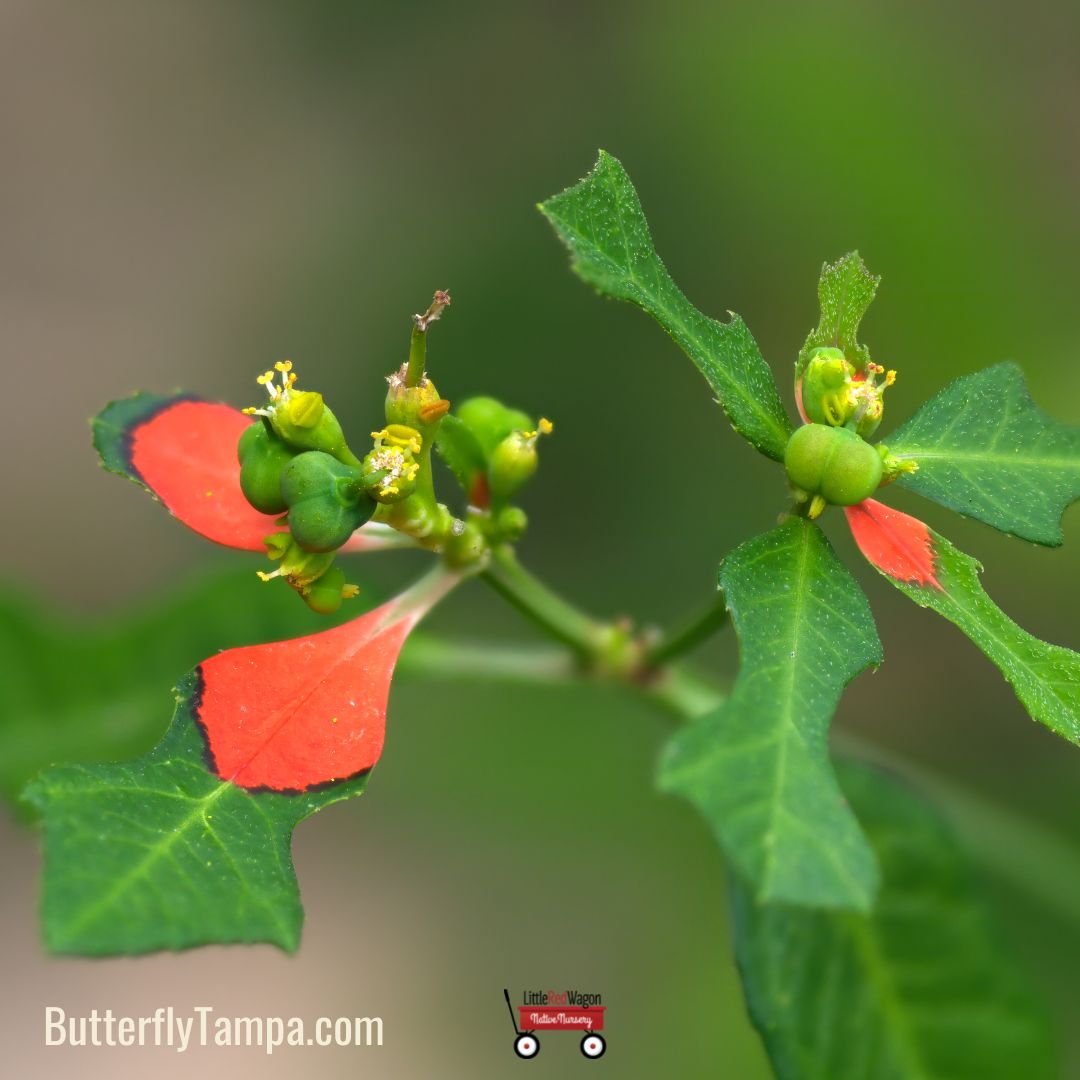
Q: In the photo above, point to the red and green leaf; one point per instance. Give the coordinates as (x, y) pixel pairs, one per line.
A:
(189, 844)
(897, 544)
(183, 451)
(936, 575)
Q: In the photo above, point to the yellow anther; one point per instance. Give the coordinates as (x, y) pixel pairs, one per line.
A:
(263, 576)
(264, 378)
(400, 436)
(545, 427)
(283, 365)
(349, 591)
(250, 411)
(890, 378)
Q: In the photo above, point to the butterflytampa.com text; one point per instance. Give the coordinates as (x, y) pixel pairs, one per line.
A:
(168, 1027)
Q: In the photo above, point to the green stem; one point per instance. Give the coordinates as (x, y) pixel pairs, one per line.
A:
(1032, 858)
(414, 372)
(545, 608)
(528, 666)
(687, 637)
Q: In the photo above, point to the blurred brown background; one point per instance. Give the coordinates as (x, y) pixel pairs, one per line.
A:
(194, 190)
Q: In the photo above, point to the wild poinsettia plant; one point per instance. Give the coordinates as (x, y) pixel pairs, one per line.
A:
(841, 876)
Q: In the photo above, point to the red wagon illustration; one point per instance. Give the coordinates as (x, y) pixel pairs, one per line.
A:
(533, 1018)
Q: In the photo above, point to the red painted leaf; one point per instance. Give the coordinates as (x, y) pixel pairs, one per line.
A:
(186, 454)
(897, 544)
(293, 714)
(184, 451)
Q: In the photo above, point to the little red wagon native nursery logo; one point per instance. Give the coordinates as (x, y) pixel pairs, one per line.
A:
(557, 1010)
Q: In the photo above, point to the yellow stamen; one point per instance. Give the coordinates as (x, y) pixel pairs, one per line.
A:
(349, 591)
(545, 427)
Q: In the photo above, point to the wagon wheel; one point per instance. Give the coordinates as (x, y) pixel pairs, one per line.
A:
(593, 1045)
(526, 1045)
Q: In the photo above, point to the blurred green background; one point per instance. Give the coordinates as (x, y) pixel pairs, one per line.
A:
(194, 190)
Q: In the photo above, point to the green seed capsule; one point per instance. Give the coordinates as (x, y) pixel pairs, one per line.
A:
(262, 456)
(834, 463)
(325, 500)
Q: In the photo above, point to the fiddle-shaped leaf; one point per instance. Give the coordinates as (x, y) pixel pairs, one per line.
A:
(984, 449)
(937, 575)
(189, 844)
(758, 767)
(183, 451)
(918, 988)
(601, 221)
(91, 690)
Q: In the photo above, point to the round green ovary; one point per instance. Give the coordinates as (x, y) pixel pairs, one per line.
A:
(834, 463)
(325, 508)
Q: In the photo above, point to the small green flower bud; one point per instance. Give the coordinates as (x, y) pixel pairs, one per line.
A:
(491, 421)
(826, 388)
(298, 567)
(465, 546)
(306, 423)
(834, 464)
(514, 460)
(510, 524)
(301, 418)
(312, 574)
(326, 501)
(835, 393)
(263, 456)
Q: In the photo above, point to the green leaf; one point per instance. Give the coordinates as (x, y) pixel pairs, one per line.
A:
(91, 691)
(916, 990)
(758, 767)
(601, 221)
(461, 450)
(845, 290)
(986, 450)
(1046, 677)
(161, 854)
